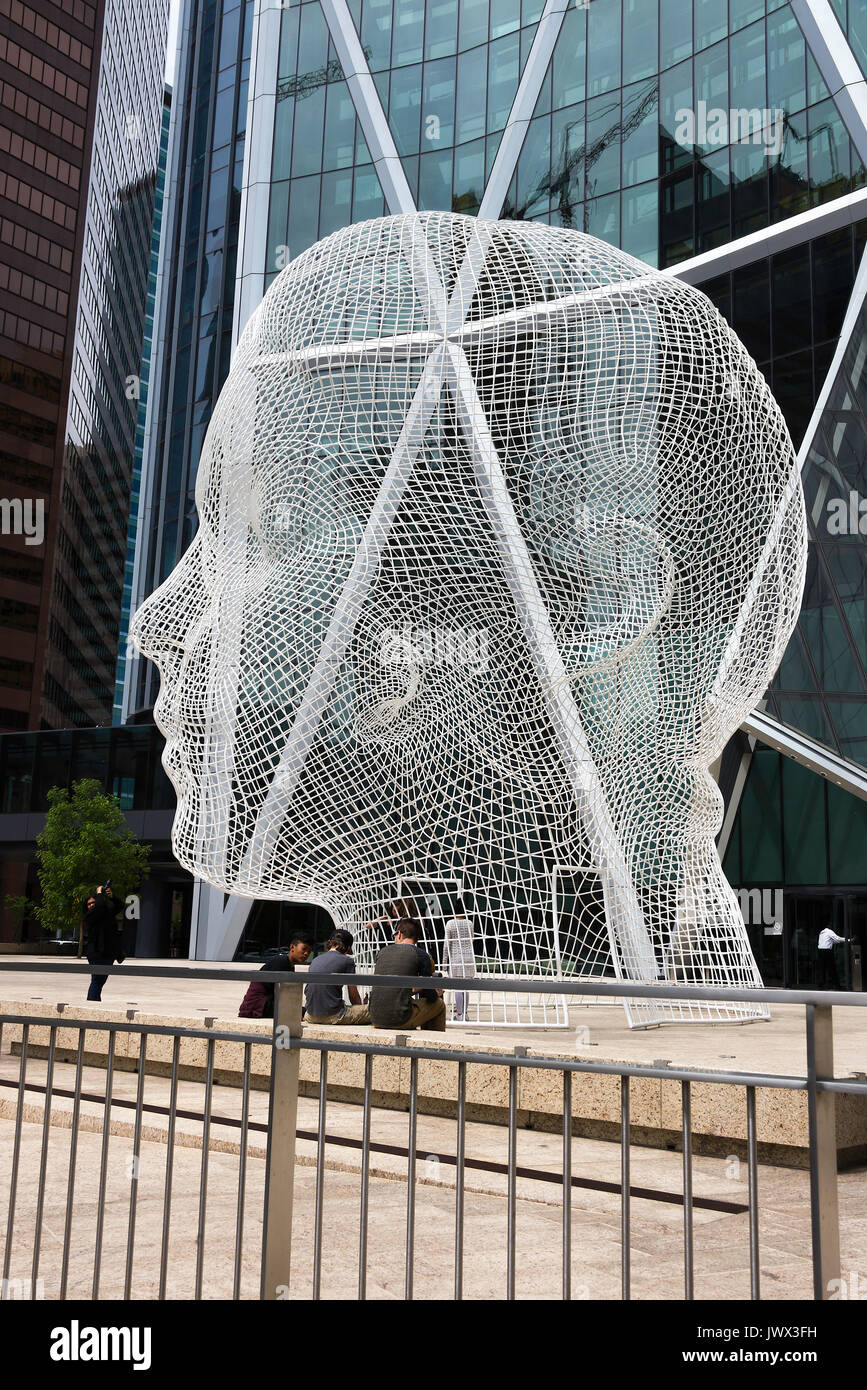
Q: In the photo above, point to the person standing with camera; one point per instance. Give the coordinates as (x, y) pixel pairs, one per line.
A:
(102, 935)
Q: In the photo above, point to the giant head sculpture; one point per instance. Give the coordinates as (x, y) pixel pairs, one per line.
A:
(501, 538)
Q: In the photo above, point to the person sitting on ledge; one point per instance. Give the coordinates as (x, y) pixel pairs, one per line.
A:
(258, 1002)
(391, 1007)
(325, 1001)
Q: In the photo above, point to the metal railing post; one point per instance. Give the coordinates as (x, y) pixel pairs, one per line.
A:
(280, 1173)
(824, 1214)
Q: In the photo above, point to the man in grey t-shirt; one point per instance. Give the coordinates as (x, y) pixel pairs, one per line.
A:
(392, 1007)
(324, 997)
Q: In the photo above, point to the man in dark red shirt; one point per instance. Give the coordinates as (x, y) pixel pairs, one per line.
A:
(258, 1002)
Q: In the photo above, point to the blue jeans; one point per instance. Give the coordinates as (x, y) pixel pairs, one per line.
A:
(96, 984)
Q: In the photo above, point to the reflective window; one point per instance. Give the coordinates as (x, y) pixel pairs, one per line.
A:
(438, 103)
(307, 141)
(603, 46)
(534, 169)
(640, 29)
(503, 75)
(339, 148)
(469, 177)
(376, 32)
(303, 214)
(639, 232)
(804, 839)
(404, 109)
(336, 208)
(787, 65)
(435, 180)
(761, 820)
(675, 31)
(441, 28)
(711, 22)
(473, 23)
(472, 84)
(407, 32)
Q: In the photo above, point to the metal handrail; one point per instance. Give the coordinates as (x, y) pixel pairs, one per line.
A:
(616, 989)
(287, 1039)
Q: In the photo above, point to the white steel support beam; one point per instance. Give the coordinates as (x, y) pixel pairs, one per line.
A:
(808, 753)
(631, 947)
(368, 107)
(838, 66)
(793, 231)
(529, 87)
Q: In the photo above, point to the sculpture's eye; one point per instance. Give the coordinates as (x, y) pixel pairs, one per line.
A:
(305, 506)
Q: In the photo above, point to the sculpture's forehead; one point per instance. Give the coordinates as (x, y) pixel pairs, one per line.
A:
(379, 278)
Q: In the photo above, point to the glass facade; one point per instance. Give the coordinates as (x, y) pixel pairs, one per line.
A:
(665, 128)
(103, 401)
(446, 74)
(125, 761)
(675, 128)
(81, 96)
(788, 309)
(796, 858)
(201, 250)
(144, 379)
(821, 687)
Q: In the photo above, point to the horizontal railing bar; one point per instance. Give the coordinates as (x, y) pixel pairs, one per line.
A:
(854, 1088)
(440, 1054)
(538, 984)
(88, 1025)
(775, 1082)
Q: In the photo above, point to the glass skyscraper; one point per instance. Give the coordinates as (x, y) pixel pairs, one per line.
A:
(193, 328)
(79, 128)
(723, 141)
(142, 391)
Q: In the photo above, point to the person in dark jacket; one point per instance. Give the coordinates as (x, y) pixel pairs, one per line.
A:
(258, 1002)
(392, 1007)
(102, 936)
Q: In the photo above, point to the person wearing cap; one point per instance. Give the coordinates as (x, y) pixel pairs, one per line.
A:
(325, 1003)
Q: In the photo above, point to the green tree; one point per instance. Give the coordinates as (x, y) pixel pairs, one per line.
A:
(85, 841)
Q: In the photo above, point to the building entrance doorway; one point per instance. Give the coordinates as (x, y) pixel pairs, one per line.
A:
(806, 913)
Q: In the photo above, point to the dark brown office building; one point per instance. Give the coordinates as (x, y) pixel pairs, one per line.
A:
(81, 89)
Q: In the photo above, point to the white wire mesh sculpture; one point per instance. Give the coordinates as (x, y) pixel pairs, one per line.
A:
(501, 538)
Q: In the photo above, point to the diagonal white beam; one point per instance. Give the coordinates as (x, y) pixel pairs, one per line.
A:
(837, 64)
(368, 107)
(512, 141)
(344, 620)
(806, 751)
(631, 948)
(780, 236)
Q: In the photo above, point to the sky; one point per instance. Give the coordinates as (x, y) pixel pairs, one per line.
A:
(173, 34)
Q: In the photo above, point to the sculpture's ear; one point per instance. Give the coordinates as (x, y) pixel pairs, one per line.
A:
(625, 573)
